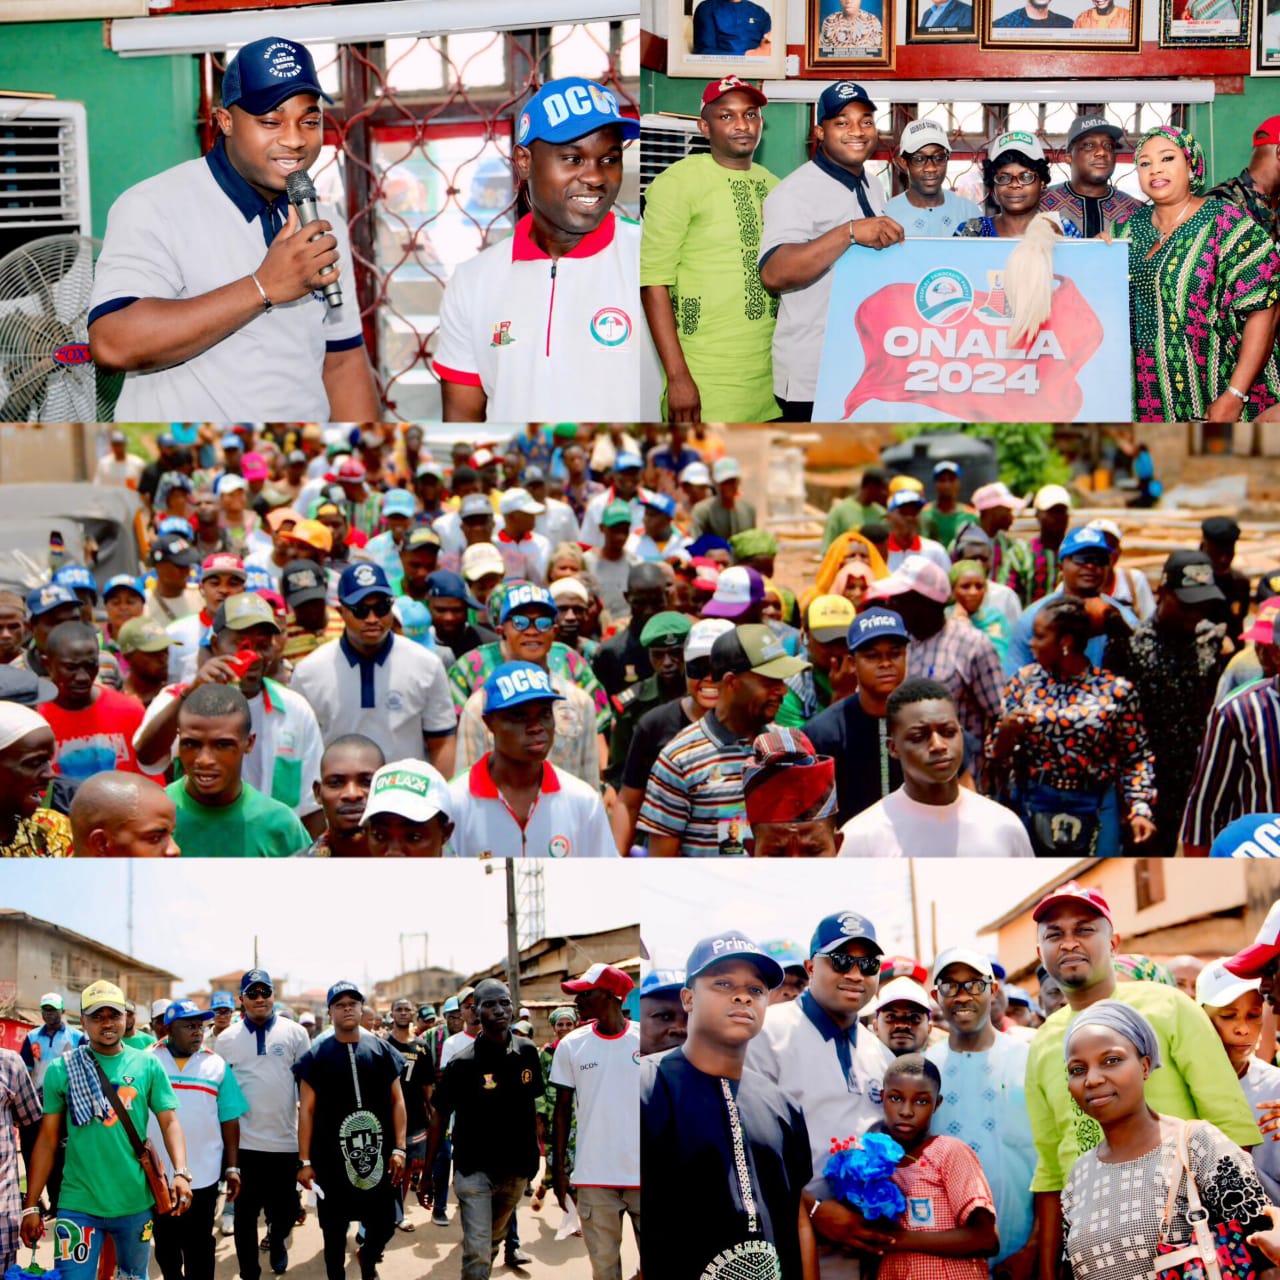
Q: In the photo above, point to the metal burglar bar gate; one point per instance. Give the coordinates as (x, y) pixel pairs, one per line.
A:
(418, 154)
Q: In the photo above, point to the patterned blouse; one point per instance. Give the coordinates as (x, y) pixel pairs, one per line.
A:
(46, 834)
(850, 31)
(1087, 734)
(984, 228)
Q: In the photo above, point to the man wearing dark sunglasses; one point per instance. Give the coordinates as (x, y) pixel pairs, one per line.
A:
(814, 1049)
(379, 684)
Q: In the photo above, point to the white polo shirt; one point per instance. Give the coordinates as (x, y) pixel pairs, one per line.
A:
(285, 759)
(396, 699)
(549, 339)
(568, 819)
(593, 533)
(193, 229)
(604, 1073)
(804, 205)
(528, 558)
(208, 1093)
(453, 1046)
(263, 1062)
(187, 635)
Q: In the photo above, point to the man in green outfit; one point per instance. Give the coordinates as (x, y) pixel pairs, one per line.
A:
(663, 639)
(104, 1191)
(710, 317)
(219, 814)
(848, 515)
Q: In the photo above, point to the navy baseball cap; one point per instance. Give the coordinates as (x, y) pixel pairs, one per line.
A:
(176, 524)
(222, 1000)
(835, 930)
(525, 595)
(876, 624)
(514, 683)
(256, 978)
(186, 1009)
(262, 76)
(360, 580)
(302, 581)
(53, 595)
(1084, 539)
(567, 109)
(732, 945)
(75, 577)
(444, 584)
(174, 549)
(124, 582)
(662, 982)
(838, 96)
(344, 988)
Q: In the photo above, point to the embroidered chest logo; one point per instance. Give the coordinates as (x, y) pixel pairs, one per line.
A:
(501, 334)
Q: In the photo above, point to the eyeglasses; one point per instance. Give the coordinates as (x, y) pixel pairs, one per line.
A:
(974, 987)
(921, 161)
(1024, 179)
(379, 606)
(522, 622)
(259, 993)
(913, 1019)
(697, 668)
(842, 962)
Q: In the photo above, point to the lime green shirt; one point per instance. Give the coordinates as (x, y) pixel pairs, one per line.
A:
(255, 826)
(1195, 1082)
(139, 1040)
(942, 526)
(701, 239)
(102, 1175)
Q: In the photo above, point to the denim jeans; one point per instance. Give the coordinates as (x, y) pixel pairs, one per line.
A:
(439, 1173)
(485, 1207)
(77, 1243)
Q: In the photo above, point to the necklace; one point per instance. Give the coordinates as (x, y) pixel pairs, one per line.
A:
(1162, 237)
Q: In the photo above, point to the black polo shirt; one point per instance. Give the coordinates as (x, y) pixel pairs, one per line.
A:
(865, 771)
(491, 1091)
(622, 661)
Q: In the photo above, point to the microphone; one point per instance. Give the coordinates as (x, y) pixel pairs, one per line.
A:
(302, 195)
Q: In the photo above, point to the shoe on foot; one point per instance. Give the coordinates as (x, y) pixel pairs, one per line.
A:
(517, 1258)
(279, 1260)
(366, 1272)
(228, 1224)
(439, 1218)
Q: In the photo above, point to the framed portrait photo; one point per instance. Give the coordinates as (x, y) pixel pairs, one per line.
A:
(848, 34)
(1113, 25)
(942, 21)
(1205, 24)
(1266, 39)
(709, 38)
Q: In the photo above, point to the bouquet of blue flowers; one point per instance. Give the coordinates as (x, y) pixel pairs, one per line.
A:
(32, 1272)
(860, 1171)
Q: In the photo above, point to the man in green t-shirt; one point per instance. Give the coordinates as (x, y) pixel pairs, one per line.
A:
(946, 515)
(104, 1191)
(133, 1038)
(710, 317)
(848, 515)
(219, 814)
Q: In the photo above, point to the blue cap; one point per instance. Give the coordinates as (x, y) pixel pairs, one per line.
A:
(567, 109)
(52, 595)
(1016, 995)
(524, 595)
(1083, 539)
(876, 624)
(256, 977)
(941, 468)
(445, 584)
(166, 440)
(451, 1005)
(708, 542)
(230, 440)
(399, 502)
(75, 577)
(222, 1000)
(997, 968)
(360, 580)
(344, 988)
(186, 1009)
(126, 582)
(661, 502)
(415, 620)
(662, 982)
(176, 524)
(256, 578)
(263, 74)
(835, 930)
(732, 945)
(628, 462)
(514, 683)
(786, 951)
(838, 96)
(906, 498)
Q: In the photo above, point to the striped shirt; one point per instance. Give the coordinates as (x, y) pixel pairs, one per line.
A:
(695, 791)
(965, 660)
(1238, 771)
(298, 643)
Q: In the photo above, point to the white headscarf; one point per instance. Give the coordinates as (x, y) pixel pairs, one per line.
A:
(17, 721)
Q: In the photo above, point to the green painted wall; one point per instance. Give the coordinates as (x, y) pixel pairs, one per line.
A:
(141, 111)
(1225, 128)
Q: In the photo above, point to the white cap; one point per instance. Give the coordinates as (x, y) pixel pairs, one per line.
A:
(481, 559)
(1109, 527)
(1052, 495)
(307, 1018)
(563, 589)
(923, 133)
(915, 573)
(158, 1007)
(695, 473)
(702, 635)
(409, 789)
(963, 955)
(726, 469)
(1218, 987)
(1016, 140)
(996, 495)
(902, 991)
(515, 501)
(229, 483)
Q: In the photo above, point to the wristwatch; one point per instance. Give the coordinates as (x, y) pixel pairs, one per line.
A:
(183, 1173)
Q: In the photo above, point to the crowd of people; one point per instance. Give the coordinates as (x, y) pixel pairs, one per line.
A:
(836, 1113)
(580, 643)
(736, 266)
(256, 1110)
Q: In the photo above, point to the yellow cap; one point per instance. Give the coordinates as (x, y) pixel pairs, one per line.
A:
(905, 482)
(829, 618)
(101, 995)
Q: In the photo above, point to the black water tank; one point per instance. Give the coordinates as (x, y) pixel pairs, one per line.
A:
(917, 457)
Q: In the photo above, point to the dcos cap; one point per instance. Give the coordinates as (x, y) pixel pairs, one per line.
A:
(568, 109)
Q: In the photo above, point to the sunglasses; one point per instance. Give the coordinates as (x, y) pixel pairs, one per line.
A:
(697, 668)
(974, 987)
(522, 622)
(842, 962)
(379, 606)
(259, 993)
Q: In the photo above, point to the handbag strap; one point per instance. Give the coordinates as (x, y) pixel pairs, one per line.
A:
(1203, 1248)
(118, 1107)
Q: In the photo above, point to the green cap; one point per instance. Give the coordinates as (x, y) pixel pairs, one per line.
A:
(666, 630)
(616, 513)
(753, 542)
(565, 431)
(143, 635)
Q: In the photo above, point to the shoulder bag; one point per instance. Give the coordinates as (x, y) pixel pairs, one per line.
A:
(148, 1156)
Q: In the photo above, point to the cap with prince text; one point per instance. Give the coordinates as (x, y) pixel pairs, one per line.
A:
(263, 75)
(514, 683)
(344, 988)
(732, 946)
(568, 109)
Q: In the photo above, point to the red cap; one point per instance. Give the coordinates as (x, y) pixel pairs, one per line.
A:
(601, 977)
(718, 88)
(1267, 133)
(350, 469)
(1072, 891)
(223, 562)
(1254, 960)
(903, 967)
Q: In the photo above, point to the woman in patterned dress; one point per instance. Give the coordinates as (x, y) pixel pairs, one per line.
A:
(850, 29)
(1113, 1206)
(1204, 281)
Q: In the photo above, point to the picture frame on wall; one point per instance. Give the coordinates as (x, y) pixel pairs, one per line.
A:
(942, 21)
(1266, 38)
(848, 35)
(1205, 24)
(709, 38)
(1111, 25)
